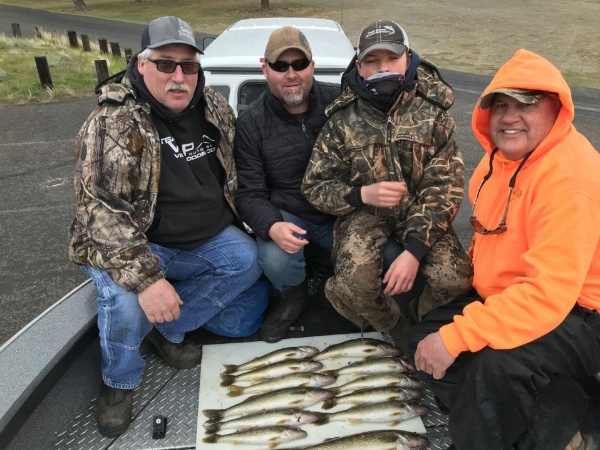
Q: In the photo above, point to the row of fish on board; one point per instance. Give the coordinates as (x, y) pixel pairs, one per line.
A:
(283, 383)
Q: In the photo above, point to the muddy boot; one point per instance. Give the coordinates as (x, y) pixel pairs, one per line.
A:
(288, 309)
(114, 410)
(400, 332)
(184, 355)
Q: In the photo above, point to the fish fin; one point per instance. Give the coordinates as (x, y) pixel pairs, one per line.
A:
(353, 421)
(329, 403)
(230, 368)
(211, 439)
(322, 418)
(213, 415)
(227, 380)
(395, 423)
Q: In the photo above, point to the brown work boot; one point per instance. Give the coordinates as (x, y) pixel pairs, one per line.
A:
(399, 333)
(114, 410)
(184, 355)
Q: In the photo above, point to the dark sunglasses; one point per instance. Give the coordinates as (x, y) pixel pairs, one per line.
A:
(168, 66)
(501, 228)
(282, 66)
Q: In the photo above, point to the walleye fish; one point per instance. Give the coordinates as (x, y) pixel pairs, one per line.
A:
(379, 380)
(388, 412)
(273, 371)
(296, 397)
(302, 379)
(374, 440)
(275, 417)
(380, 364)
(303, 352)
(271, 436)
(374, 395)
(358, 348)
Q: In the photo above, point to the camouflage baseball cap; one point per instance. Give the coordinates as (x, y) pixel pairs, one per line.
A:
(168, 30)
(526, 96)
(382, 35)
(283, 39)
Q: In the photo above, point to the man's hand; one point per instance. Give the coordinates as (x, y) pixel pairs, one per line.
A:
(432, 356)
(384, 194)
(401, 275)
(282, 234)
(160, 302)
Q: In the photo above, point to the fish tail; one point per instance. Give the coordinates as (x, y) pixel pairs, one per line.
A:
(212, 428)
(211, 439)
(235, 391)
(329, 403)
(335, 390)
(322, 418)
(213, 415)
(230, 368)
(227, 380)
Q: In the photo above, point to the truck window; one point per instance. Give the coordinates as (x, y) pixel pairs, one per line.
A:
(249, 92)
(222, 89)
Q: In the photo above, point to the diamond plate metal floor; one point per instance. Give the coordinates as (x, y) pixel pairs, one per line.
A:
(174, 393)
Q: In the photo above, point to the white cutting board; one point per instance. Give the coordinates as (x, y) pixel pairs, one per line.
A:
(213, 396)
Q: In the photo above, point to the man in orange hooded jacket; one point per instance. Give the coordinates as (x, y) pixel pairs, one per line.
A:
(501, 361)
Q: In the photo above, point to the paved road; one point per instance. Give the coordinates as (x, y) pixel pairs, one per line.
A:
(36, 161)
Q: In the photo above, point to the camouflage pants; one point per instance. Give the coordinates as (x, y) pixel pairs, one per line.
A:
(355, 290)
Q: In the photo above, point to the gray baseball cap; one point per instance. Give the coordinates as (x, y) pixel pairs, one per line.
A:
(382, 35)
(168, 30)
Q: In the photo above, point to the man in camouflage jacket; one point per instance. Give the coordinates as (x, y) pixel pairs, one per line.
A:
(156, 228)
(386, 163)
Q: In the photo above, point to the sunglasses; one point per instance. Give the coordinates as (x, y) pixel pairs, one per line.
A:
(476, 225)
(282, 66)
(168, 66)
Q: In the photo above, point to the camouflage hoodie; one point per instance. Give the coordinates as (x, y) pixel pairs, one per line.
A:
(411, 141)
(116, 183)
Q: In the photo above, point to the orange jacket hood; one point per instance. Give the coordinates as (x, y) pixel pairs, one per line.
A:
(524, 71)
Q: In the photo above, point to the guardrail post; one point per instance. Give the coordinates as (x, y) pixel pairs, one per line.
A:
(38, 32)
(115, 49)
(85, 43)
(103, 46)
(16, 29)
(128, 54)
(101, 69)
(44, 72)
(73, 39)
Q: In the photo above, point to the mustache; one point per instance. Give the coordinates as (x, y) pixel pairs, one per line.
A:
(171, 86)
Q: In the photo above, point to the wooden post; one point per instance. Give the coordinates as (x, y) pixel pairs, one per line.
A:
(128, 54)
(16, 29)
(101, 69)
(85, 42)
(103, 46)
(44, 72)
(115, 49)
(38, 32)
(73, 39)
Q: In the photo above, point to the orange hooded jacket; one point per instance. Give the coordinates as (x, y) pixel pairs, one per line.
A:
(548, 260)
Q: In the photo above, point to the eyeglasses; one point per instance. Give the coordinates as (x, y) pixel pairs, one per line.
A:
(501, 228)
(282, 66)
(168, 66)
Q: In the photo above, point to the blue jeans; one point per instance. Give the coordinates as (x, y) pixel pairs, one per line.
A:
(286, 270)
(217, 283)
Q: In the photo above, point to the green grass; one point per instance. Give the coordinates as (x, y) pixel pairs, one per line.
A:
(72, 70)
